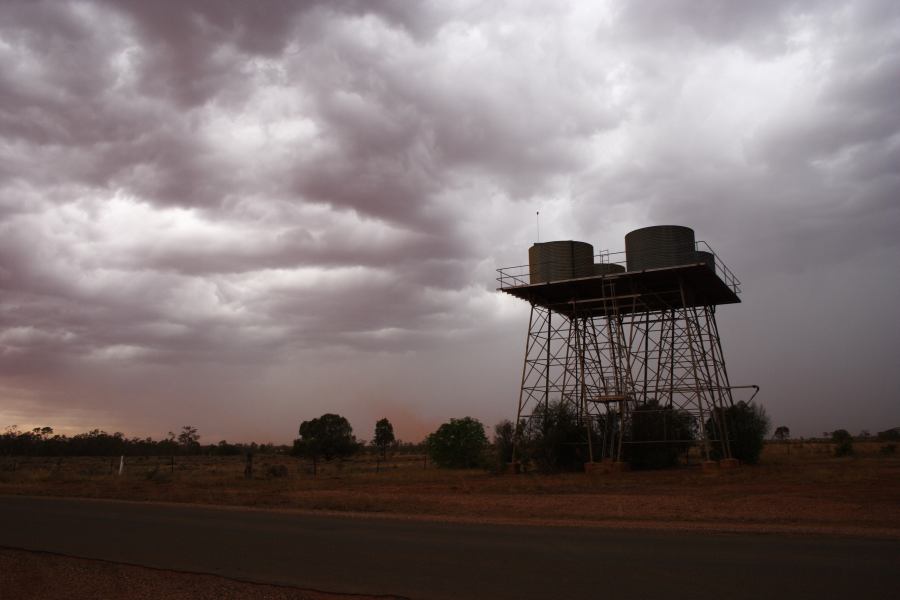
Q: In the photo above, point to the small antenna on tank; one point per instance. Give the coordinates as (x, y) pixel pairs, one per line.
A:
(537, 218)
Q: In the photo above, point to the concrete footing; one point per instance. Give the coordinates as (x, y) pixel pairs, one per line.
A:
(729, 463)
(710, 465)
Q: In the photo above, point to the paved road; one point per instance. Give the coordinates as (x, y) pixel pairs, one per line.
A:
(439, 560)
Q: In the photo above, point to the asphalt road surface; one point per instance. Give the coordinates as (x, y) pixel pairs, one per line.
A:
(419, 559)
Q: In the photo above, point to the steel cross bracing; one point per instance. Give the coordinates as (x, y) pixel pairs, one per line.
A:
(602, 367)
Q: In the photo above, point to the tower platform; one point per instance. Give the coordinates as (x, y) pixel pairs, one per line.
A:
(649, 290)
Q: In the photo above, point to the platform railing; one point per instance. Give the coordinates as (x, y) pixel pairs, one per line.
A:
(722, 270)
(520, 275)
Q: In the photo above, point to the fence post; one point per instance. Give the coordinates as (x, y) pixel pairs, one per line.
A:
(248, 468)
(121, 465)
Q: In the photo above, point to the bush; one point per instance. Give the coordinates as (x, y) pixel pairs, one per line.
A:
(890, 435)
(747, 425)
(888, 449)
(659, 435)
(843, 442)
(554, 440)
(276, 471)
(457, 444)
(504, 440)
(159, 475)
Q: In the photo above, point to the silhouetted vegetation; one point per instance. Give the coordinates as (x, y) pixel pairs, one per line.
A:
(504, 439)
(276, 471)
(659, 436)
(554, 439)
(782, 433)
(41, 441)
(189, 440)
(889, 435)
(747, 425)
(458, 444)
(384, 437)
(843, 442)
(329, 436)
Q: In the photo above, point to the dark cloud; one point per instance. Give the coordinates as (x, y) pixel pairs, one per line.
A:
(301, 201)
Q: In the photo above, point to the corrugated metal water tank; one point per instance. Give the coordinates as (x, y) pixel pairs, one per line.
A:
(659, 246)
(553, 261)
(608, 268)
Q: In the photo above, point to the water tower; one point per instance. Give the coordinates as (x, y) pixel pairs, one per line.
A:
(620, 333)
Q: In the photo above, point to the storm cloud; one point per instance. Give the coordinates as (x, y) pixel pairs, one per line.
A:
(240, 215)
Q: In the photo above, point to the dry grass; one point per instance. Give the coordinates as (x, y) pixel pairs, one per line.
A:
(798, 487)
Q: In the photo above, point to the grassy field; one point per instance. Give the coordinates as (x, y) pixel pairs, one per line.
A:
(799, 487)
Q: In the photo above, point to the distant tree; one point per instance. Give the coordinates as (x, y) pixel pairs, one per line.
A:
(223, 448)
(843, 442)
(747, 425)
(329, 436)
(865, 434)
(889, 435)
(782, 433)
(42, 433)
(189, 439)
(459, 443)
(384, 437)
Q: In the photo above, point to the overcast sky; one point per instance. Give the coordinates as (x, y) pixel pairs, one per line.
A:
(243, 215)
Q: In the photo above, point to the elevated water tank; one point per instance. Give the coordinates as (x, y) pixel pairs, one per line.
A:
(659, 246)
(552, 261)
(608, 268)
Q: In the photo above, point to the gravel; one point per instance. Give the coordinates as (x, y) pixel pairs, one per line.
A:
(25, 575)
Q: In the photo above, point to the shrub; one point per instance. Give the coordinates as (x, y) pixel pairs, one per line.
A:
(888, 449)
(747, 425)
(554, 439)
(890, 435)
(158, 475)
(659, 435)
(276, 471)
(843, 442)
(504, 439)
(457, 444)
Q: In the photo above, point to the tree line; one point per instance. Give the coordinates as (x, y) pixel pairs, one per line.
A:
(554, 439)
(42, 441)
